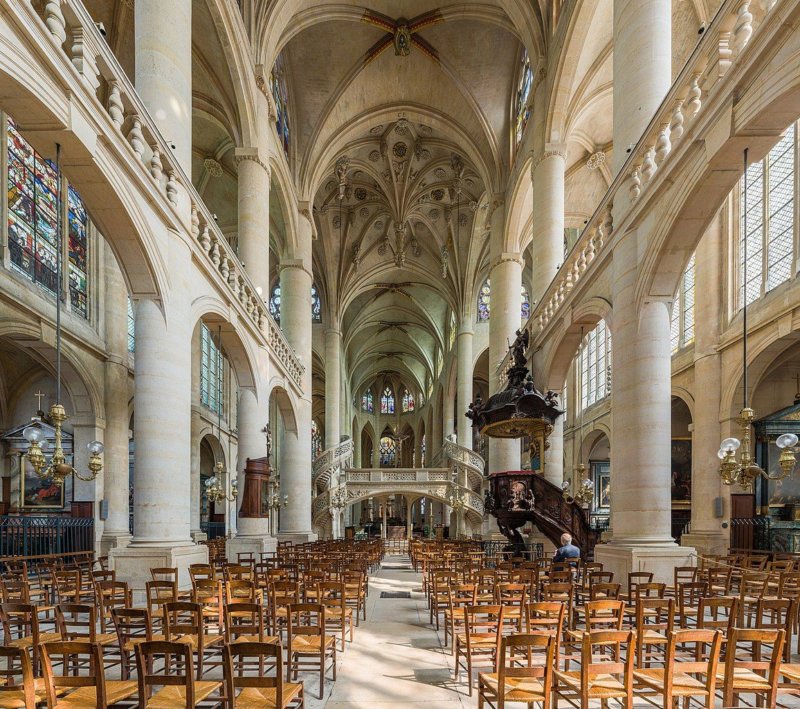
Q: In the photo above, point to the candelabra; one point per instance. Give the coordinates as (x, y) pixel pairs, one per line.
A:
(276, 501)
(585, 493)
(215, 492)
(454, 499)
(338, 499)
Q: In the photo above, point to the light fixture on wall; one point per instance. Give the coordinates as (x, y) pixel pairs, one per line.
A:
(454, 499)
(583, 496)
(57, 469)
(338, 500)
(215, 492)
(745, 471)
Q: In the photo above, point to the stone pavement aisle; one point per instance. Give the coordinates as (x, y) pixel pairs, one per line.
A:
(396, 658)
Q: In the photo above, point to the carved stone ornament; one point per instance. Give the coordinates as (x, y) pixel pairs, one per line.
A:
(402, 41)
(212, 167)
(596, 160)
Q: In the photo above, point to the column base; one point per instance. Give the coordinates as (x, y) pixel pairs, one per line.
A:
(297, 537)
(708, 543)
(133, 563)
(114, 540)
(660, 560)
(243, 544)
(198, 535)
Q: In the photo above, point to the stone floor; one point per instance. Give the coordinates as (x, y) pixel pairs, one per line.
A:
(397, 659)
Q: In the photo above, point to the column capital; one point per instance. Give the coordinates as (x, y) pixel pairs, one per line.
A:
(252, 154)
(467, 327)
(299, 264)
(333, 331)
(551, 150)
(505, 257)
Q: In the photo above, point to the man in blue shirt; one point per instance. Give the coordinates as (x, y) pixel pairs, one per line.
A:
(567, 550)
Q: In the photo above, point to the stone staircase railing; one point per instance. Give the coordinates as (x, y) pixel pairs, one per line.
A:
(103, 86)
(735, 25)
(460, 458)
(328, 464)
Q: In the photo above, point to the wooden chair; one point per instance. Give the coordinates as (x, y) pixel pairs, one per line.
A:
(21, 629)
(777, 613)
(459, 597)
(603, 674)
(210, 596)
(91, 690)
(184, 623)
(244, 622)
(720, 613)
(480, 641)
(157, 594)
(681, 679)
(338, 615)
(561, 592)
(355, 593)
(513, 597)
(19, 689)
(282, 594)
(133, 626)
(654, 624)
(111, 595)
(259, 692)
(688, 597)
(519, 678)
(175, 686)
(754, 675)
(307, 644)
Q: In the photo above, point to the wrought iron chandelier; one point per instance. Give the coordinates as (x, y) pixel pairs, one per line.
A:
(338, 500)
(745, 471)
(57, 469)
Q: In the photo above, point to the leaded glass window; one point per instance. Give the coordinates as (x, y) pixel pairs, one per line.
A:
(408, 401)
(33, 204)
(767, 207)
(521, 108)
(275, 304)
(484, 301)
(452, 334)
(211, 372)
(316, 440)
(387, 401)
(131, 327)
(525, 311)
(316, 305)
(682, 315)
(595, 365)
(422, 451)
(281, 97)
(387, 452)
(366, 402)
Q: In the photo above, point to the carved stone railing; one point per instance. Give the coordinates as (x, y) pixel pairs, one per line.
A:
(396, 475)
(464, 459)
(735, 25)
(331, 462)
(67, 27)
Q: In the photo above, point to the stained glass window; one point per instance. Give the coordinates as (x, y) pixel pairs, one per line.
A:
(211, 372)
(280, 95)
(316, 440)
(682, 315)
(366, 402)
(595, 365)
(521, 109)
(275, 304)
(387, 452)
(484, 301)
(408, 401)
(422, 451)
(387, 401)
(768, 206)
(452, 334)
(316, 305)
(33, 204)
(525, 312)
(131, 327)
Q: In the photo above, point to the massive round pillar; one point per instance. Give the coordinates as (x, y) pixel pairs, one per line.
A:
(548, 217)
(464, 353)
(253, 203)
(333, 386)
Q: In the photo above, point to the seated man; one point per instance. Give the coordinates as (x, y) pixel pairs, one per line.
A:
(567, 550)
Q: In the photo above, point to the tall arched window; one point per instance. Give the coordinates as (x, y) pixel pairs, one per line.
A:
(366, 402)
(280, 95)
(387, 401)
(595, 365)
(682, 315)
(521, 109)
(408, 401)
(769, 206)
(387, 452)
(316, 305)
(275, 304)
(316, 440)
(34, 187)
(452, 333)
(484, 301)
(212, 369)
(131, 327)
(422, 451)
(525, 310)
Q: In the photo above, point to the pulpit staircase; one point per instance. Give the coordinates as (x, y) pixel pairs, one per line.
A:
(329, 464)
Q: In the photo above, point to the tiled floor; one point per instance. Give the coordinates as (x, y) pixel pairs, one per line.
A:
(397, 659)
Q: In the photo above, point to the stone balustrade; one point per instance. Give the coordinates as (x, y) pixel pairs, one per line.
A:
(734, 27)
(330, 462)
(118, 109)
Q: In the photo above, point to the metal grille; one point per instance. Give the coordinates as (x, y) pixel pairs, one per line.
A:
(32, 536)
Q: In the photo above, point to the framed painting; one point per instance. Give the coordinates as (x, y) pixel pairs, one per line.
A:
(681, 470)
(601, 474)
(36, 493)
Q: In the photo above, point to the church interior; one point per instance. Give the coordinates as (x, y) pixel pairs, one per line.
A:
(401, 352)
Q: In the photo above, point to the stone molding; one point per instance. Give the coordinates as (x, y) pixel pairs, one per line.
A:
(295, 263)
(252, 154)
(552, 150)
(504, 258)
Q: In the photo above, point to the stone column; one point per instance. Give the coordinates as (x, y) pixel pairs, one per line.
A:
(464, 399)
(253, 203)
(296, 281)
(357, 450)
(641, 425)
(117, 396)
(548, 217)
(163, 70)
(194, 487)
(554, 455)
(504, 321)
(448, 424)
(333, 351)
(642, 68)
(252, 417)
(707, 535)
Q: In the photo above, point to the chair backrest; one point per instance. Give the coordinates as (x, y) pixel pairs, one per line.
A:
(511, 594)
(637, 577)
(758, 640)
(238, 572)
(718, 613)
(158, 593)
(752, 583)
(182, 618)
(778, 614)
(132, 624)
(67, 585)
(16, 590)
(19, 620)
(684, 574)
(69, 654)
(600, 577)
(239, 656)
(177, 668)
(649, 589)
(719, 579)
(606, 614)
(16, 678)
(164, 573)
(610, 646)
(76, 621)
(528, 655)
(484, 620)
(655, 614)
(305, 619)
(202, 571)
(600, 591)
(705, 646)
(244, 619)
